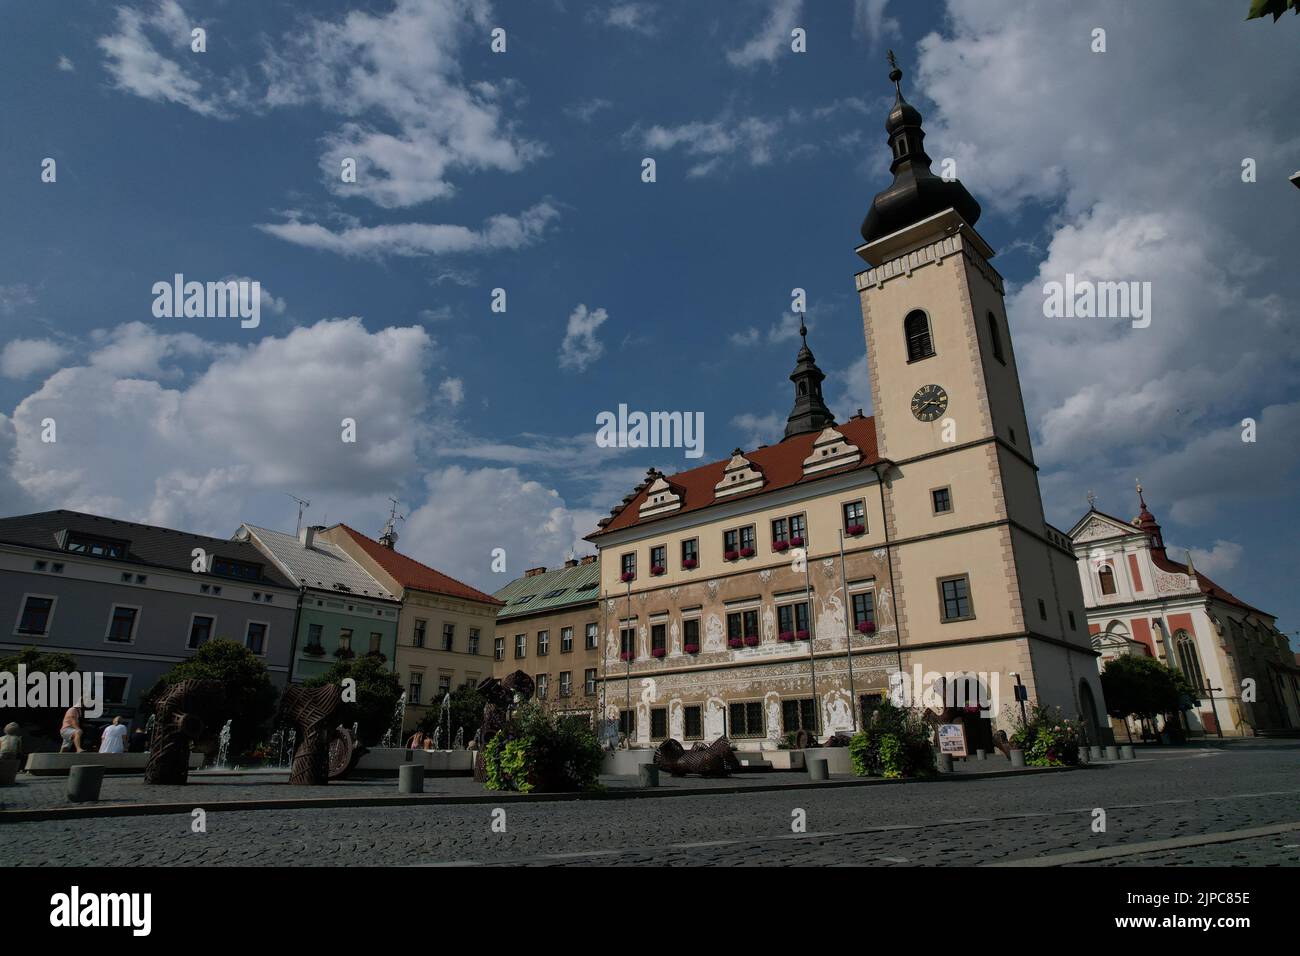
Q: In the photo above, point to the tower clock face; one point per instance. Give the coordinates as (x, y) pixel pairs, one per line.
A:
(929, 402)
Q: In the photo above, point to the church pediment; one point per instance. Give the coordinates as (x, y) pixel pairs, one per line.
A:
(1095, 526)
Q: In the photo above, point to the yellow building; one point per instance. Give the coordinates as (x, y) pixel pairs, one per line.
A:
(949, 569)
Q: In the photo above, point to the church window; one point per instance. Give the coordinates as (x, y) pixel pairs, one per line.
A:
(1188, 660)
(916, 327)
(996, 336)
(954, 595)
(1106, 577)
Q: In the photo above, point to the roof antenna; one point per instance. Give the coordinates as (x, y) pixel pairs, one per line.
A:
(303, 505)
(389, 538)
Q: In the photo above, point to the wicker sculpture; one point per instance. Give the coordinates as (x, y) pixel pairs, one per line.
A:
(344, 751)
(186, 712)
(715, 760)
(311, 711)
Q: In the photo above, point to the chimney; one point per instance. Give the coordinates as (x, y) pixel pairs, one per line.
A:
(533, 572)
(571, 563)
(588, 558)
(308, 534)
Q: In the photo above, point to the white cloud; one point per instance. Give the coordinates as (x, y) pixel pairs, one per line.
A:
(869, 21)
(136, 350)
(22, 358)
(750, 139)
(580, 346)
(452, 391)
(772, 38)
(759, 429)
(634, 17)
(585, 110)
(66, 65)
(15, 297)
(420, 239)
(1219, 559)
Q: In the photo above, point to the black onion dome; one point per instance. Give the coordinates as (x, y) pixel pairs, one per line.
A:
(916, 193)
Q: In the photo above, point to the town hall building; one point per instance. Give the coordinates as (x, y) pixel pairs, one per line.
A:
(777, 591)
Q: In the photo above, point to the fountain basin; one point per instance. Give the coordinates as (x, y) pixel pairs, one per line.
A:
(386, 760)
(60, 765)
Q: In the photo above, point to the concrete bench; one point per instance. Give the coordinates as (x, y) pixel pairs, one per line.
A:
(386, 760)
(58, 765)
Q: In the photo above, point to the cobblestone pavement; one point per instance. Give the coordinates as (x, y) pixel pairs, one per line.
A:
(1178, 794)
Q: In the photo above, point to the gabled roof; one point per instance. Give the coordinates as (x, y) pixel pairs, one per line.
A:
(534, 593)
(411, 573)
(147, 545)
(324, 565)
(781, 465)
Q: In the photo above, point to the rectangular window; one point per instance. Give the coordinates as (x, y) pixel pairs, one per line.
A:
(799, 715)
(735, 629)
(499, 649)
(35, 616)
(748, 540)
(855, 517)
(255, 637)
(627, 723)
(691, 553)
(693, 724)
(97, 547)
(658, 723)
(521, 646)
(448, 636)
(121, 627)
(1071, 614)
(115, 688)
(413, 687)
(864, 611)
(793, 618)
(747, 719)
(731, 543)
(201, 630)
(542, 680)
(798, 531)
(628, 564)
(954, 595)
(658, 640)
(543, 643)
(589, 681)
(376, 640)
(593, 636)
(444, 685)
(345, 638)
(472, 646)
(942, 500)
(627, 643)
(781, 532)
(659, 559)
(566, 640)
(417, 638)
(566, 683)
(691, 635)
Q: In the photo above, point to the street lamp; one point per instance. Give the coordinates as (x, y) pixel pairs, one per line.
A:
(1021, 694)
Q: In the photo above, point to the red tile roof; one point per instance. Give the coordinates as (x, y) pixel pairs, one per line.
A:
(781, 465)
(412, 574)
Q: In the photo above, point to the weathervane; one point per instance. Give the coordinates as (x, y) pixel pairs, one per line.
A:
(1092, 500)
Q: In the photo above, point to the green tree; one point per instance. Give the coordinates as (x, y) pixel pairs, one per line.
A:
(39, 721)
(1272, 8)
(250, 695)
(378, 690)
(466, 711)
(1142, 687)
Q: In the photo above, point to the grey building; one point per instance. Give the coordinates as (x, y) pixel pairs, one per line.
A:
(123, 598)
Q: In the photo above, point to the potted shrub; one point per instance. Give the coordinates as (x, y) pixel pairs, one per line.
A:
(786, 636)
(692, 648)
(796, 542)
(689, 564)
(657, 570)
(746, 552)
(730, 555)
(627, 576)
(658, 651)
(855, 529)
(751, 640)
(801, 635)
(866, 627)
(780, 545)
(735, 642)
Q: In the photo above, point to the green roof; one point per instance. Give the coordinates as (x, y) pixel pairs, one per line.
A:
(550, 590)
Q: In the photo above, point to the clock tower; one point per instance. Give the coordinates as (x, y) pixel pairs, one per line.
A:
(982, 583)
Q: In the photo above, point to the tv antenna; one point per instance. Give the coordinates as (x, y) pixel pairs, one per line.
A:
(389, 538)
(303, 505)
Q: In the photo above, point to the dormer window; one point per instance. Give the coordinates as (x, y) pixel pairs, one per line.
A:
(230, 568)
(96, 547)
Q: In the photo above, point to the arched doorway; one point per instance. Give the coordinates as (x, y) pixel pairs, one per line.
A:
(1091, 720)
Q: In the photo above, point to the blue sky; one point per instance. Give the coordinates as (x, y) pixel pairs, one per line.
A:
(522, 170)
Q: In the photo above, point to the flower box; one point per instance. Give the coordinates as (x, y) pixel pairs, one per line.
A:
(345, 653)
(625, 656)
(866, 627)
(627, 576)
(751, 640)
(786, 636)
(689, 564)
(796, 542)
(780, 545)
(692, 648)
(657, 570)
(730, 555)
(855, 529)
(735, 642)
(658, 651)
(314, 650)
(746, 552)
(801, 635)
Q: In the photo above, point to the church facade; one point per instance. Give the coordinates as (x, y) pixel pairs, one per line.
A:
(781, 589)
(1141, 601)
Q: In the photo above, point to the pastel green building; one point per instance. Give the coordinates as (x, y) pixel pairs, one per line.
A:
(342, 611)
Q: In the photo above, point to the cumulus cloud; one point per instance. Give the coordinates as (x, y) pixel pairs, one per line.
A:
(66, 65)
(633, 17)
(772, 38)
(580, 346)
(22, 358)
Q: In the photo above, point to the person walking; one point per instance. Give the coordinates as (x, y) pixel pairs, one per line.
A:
(70, 732)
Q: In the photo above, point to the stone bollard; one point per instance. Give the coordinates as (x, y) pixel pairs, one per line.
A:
(981, 755)
(1017, 757)
(647, 775)
(945, 763)
(1083, 755)
(1094, 753)
(1112, 753)
(84, 782)
(1126, 752)
(410, 778)
(818, 768)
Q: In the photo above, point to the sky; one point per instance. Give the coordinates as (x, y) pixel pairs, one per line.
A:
(522, 171)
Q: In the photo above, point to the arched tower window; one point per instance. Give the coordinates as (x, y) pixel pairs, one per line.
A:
(996, 336)
(1189, 662)
(917, 329)
(1107, 578)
